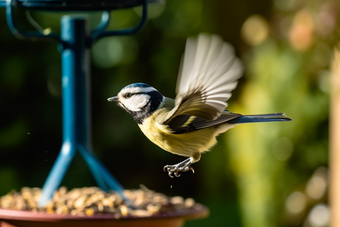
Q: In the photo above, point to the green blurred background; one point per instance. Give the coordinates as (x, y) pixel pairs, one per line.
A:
(259, 175)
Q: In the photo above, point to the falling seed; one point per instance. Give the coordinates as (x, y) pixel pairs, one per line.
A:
(170, 186)
(28, 133)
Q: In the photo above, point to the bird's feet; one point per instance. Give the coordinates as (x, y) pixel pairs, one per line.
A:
(180, 167)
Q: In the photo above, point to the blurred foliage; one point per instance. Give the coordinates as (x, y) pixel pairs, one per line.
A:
(258, 175)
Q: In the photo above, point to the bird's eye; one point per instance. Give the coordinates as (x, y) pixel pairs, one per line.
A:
(127, 95)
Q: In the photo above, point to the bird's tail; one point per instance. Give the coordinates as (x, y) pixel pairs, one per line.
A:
(260, 118)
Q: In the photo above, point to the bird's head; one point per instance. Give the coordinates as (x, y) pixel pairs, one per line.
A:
(138, 99)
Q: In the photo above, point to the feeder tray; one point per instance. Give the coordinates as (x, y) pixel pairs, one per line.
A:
(89, 206)
(12, 218)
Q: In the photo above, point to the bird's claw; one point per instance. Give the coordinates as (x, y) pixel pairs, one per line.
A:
(175, 169)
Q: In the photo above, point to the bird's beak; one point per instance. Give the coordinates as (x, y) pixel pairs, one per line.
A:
(113, 99)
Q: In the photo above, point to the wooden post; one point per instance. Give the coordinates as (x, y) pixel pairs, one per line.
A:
(334, 124)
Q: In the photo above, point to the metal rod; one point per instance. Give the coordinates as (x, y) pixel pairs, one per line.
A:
(58, 171)
(104, 22)
(99, 33)
(75, 88)
(76, 110)
(21, 34)
(106, 177)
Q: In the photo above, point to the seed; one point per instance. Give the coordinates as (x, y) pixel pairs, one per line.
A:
(153, 208)
(124, 210)
(20, 204)
(100, 206)
(62, 191)
(177, 200)
(7, 202)
(74, 194)
(80, 202)
(62, 210)
(189, 203)
(26, 193)
(89, 211)
(108, 202)
(140, 213)
(50, 210)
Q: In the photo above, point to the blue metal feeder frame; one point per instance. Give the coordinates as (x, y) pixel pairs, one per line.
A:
(75, 42)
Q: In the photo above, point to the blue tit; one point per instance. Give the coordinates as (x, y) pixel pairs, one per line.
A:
(188, 125)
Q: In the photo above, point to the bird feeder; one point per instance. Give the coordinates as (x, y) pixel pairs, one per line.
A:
(75, 41)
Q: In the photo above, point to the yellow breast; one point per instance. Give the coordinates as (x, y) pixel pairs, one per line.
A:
(185, 144)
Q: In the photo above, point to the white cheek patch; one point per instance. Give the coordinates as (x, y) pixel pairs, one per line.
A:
(136, 102)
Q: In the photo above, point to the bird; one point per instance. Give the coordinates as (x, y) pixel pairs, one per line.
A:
(189, 124)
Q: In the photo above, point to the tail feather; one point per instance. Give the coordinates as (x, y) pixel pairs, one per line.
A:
(260, 118)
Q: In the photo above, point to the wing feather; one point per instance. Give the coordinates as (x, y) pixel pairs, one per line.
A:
(185, 123)
(209, 72)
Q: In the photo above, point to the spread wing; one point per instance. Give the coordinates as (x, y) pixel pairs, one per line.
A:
(208, 73)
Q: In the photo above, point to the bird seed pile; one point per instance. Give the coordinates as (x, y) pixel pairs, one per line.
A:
(90, 201)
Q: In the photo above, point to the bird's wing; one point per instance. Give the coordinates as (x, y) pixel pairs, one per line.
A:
(208, 73)
(186, 123)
